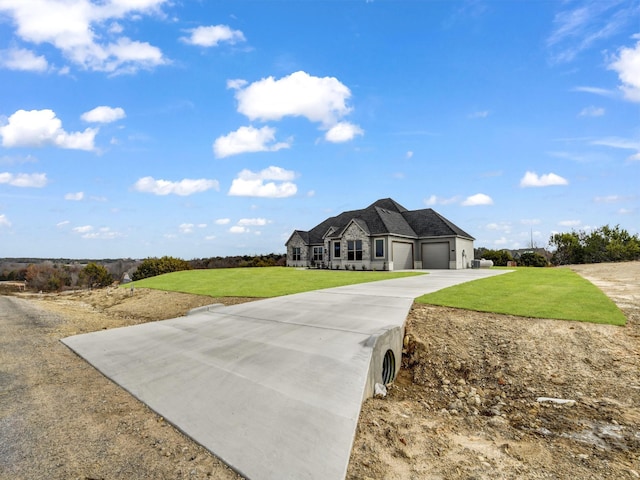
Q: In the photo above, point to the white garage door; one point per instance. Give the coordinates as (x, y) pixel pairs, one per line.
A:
(435, 255)
(402, 256)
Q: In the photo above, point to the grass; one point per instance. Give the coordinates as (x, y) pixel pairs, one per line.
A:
(557, 293)
(260, 282)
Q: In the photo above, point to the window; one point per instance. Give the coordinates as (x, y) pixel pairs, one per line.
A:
(379, 247)
(317, 254)
(354, 249)
(336, 249)
(295, 254)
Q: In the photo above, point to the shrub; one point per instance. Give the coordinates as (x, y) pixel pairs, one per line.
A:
(150, 267)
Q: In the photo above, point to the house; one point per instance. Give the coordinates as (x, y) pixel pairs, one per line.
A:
(383, 236)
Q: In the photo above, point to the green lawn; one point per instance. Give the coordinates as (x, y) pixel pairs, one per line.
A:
(533, 292)
(260, 282)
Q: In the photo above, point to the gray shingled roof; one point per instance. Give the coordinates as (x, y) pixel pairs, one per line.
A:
(385, 217)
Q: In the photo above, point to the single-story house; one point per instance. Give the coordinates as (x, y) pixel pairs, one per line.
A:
(383, 236)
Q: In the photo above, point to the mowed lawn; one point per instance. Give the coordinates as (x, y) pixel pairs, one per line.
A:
(262, 282)
(557, 293)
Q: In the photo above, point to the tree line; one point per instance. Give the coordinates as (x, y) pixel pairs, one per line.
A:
(604, 244)
(49, 275)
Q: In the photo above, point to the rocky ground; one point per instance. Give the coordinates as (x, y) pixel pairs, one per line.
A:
(469, 402)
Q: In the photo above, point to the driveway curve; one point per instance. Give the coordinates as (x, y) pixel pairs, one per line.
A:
(273, 387)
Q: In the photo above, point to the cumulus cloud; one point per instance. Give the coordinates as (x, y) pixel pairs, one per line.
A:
(532, 179)
(102, 233)
(23, 59)
(4, 221)
(85, 32)
(103, 114)
(343, 132)
(256, 222)
(477, 199)
(248, 139)
(76, 197)
(627, 65)
(25, 180)
(83, 229)
(238, 229)
(257, 184)
(223, 221)
(212, 35)
(183, 187)
(39, 128)
(319, 99)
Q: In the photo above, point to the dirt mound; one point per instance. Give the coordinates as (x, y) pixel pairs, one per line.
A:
(488, 396)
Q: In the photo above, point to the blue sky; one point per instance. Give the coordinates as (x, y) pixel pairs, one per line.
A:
(136, 128)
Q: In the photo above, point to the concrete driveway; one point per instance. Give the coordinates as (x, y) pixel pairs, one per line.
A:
(272, 387)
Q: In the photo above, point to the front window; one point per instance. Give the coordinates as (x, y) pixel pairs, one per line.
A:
(336, 249)
(317, 254)
(296, 254)
(354, 249)
(379, 247)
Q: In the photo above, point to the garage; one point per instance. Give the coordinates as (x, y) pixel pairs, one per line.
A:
(402, 256)
(435, 255)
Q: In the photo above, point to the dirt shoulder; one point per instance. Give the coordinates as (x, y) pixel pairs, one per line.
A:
(465, 404)
(468, 402)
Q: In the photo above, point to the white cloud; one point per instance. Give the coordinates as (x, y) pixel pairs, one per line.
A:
(477, 199)
(186, 227)
(343, 132)
(4, 221)
(435, 200)
(591, 111)
(84, 32)
(256, 184)
(499, 227)
(530, 221)
(74, 196)
(569, 223)
(256, 222)
(83, 229)
(603, 92)
(239, 229)
(247, 140)
(532, 179)
(622, 143)
(103, 114)
(212, 35)
(64, 223)
(103, 233)
(609, 199)
(627, 65)
(319, 99)
(25, 180)
(23, 59)
(39, 128)
(581, 25)
(409, 154)
(183, 187)
(223, 221)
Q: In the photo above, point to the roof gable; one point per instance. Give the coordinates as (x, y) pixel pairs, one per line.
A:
(385, 217)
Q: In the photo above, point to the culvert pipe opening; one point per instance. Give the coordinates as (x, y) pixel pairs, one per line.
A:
(388, 367)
